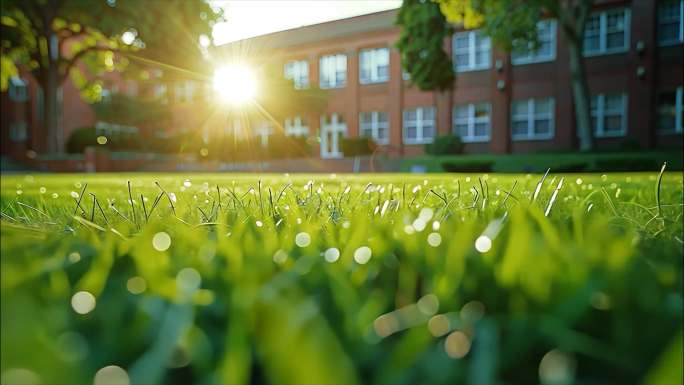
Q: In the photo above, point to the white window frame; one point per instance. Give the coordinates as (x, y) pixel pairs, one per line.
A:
(375, 125)
(471, 50)
(298, 72)
(531, 55)
(531, 116)
(420, 123)
(603, 33)
(332, 63)
(184, 91)
(161, 93)
(679, 114)
(470, 121)
(373, 58)
(600, 113)
(263, 131)
(18, 89)
(680, 40)
(336, 127)
(296, 126)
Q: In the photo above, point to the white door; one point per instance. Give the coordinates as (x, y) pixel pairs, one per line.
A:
(332, 132)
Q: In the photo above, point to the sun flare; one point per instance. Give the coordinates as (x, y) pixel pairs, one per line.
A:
(235, 84)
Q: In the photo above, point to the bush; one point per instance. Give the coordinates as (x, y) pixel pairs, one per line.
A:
(358, 146)
(84, 137)
(281, 147)
(445, 145)
(477, 166)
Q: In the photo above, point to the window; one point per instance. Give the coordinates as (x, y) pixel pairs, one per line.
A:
(17, 131)
(472, 122)
(607, 32)
(185, 91)
(18, 89)
(671, 22)
(160, 93)
(296, 126)
(609, 114)
(472, 51)
(532, 119)
(374, 125)
(298, 72)
(545, 51)
(263, 130)
(374, 65)
(670, 110)
(333, 71)
(419, 125)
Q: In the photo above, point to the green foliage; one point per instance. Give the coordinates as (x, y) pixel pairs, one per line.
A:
(445, 145)
(83, 137)
(358, 146)
(126, 110)
(582, 278)
(423, 30)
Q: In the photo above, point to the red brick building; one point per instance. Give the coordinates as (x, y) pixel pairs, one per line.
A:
(500, 103)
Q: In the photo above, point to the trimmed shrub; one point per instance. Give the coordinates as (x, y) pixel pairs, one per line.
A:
(84, 137)
(358, 146)
(481, 166)
(445, 145)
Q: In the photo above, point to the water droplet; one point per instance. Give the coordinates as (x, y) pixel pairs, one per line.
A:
(83, 302)
(161, 241)
(302, 239)
(280, 257)
(187, 183)
(434, 239)
(42, 190)
(332, 254)
(136, 285)
(362, 255)
(579, 181)
(259, 223)
(111, 375)
(188, 280)
(74, 257)
(557, 368)
(483, 244)
(457, 344)
(74, 194)
(101, 139)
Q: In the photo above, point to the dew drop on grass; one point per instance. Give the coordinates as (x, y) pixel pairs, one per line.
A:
(362, 255)
(74, 257)
(188, 280)
(557, 367)
(302, 239)
(434, 239)
(436, 225)
(457, 344)
(55, 195)
(136, 285)
(111, 375)
(280, 257)
(19, 192)
(74, 194)
(579, 181)
(483, 244)
(331, 255)
(83, 302)
(259, 223)
(187, 183)
(42, 190)
(428, 304)
(408, 229)
(161, 241)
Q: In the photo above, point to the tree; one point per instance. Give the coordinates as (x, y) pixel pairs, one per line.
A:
(58, 38)
(512, 23)
(423, 31)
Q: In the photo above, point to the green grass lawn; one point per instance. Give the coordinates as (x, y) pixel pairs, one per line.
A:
(374, 279)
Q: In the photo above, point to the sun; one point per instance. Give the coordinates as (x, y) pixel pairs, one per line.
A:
(235, 84)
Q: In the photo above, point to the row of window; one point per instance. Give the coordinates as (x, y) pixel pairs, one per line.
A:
(606, 32)
(531, 119)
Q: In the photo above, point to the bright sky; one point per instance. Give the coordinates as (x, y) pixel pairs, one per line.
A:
(249, 18)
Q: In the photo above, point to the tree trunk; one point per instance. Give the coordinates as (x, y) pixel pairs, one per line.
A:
(580, 95)
(50, 90)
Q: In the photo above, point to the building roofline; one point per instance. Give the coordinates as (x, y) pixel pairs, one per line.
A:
(320, 31)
